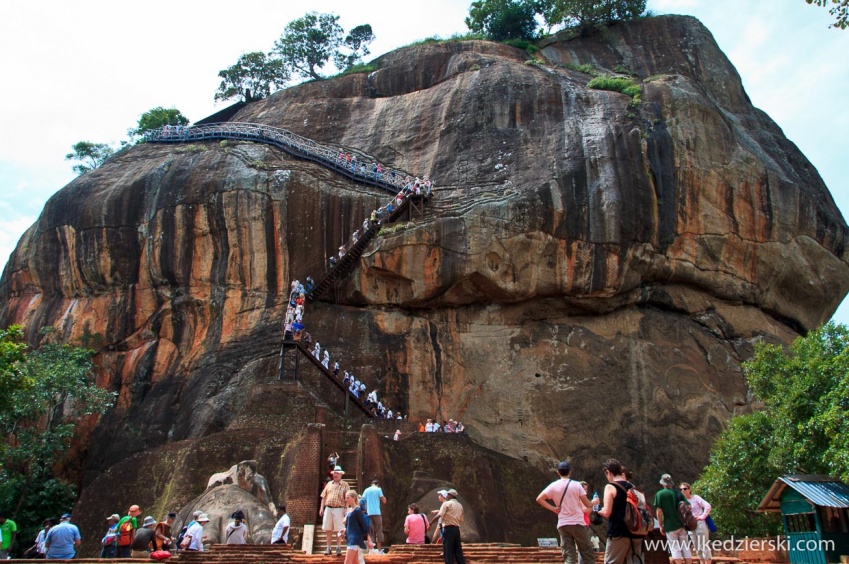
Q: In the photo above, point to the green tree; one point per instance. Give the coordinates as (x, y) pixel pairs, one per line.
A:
(801, 428)
(155, 118)
(55, 390)
(357, 43)
(91, 155)
(501, 20)
(309, 43)
(839, 9)
(588, 15)
(254, 76)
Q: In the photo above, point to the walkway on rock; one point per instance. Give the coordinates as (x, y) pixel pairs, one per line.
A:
(361, 168)
(293, 144)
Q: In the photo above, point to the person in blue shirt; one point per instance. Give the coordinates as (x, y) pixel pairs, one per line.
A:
(356, 530)
(374, 497)
(63, 540)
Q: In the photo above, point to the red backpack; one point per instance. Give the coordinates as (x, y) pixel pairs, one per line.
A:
(125, 537)
(638, 513)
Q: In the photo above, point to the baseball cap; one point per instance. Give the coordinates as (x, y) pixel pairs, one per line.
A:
(564, 466)
(443, 493)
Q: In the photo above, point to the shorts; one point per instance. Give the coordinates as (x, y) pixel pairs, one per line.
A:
(375, 529)
(360, 553)
(334, 519)
(679, 543)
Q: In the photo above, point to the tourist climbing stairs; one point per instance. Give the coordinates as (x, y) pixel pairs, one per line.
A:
(319, 545)
(293, 351)
(349, 261)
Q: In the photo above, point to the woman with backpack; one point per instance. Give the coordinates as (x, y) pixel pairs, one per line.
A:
(701, 511)
(622, 546)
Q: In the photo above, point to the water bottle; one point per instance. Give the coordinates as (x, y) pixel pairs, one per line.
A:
(595, 498)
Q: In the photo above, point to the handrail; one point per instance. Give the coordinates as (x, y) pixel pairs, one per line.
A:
(329, 375)
(363, 169)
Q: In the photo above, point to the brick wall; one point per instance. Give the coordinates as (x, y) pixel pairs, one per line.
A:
(304, 486)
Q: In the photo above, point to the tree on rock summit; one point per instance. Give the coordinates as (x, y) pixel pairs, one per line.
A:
(501, 20)
(254, 76)
(309, 43)
(157, 117)
(589, 15)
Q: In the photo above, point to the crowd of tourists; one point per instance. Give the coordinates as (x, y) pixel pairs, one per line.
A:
(411, 187)
(622, 518)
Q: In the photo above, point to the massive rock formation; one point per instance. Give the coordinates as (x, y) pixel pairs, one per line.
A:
(586, 282)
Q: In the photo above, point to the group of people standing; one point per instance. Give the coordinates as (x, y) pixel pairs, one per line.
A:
(433, 426)
(569, 500)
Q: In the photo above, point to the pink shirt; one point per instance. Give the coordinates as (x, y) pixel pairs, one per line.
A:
(416, 524)
(572, 509)
(699, 506)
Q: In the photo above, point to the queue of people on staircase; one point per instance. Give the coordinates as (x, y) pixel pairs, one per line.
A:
(293, 330)
(412, 187)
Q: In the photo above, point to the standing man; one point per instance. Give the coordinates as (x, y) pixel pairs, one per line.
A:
(8, 532)
(280, 533)
(451, 514)
(332, 509)
(162, 538)
(666, 507)
(110, 539)
(127, 532)
(374, 497)
(622, 546)
(63, 540)
(567, 499)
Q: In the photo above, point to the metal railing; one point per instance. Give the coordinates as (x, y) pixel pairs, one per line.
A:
(363, 169)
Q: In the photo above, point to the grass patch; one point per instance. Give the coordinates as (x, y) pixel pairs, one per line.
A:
(622, 69)
(359, 69)
(586, 68)
(524, 44)
(396, 227)
(455, 37)
(190, 149)
(617, 84)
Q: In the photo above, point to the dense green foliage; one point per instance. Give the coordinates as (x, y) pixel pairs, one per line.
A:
(617, 84)
(46, 392)
(91, 155)
(500, 20)
(838, 8)
(157, 117)
(589, 15)
(314, 40)
(801, 428)
(254, 76)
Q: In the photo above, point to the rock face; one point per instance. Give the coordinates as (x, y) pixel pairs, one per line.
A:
(585, 283)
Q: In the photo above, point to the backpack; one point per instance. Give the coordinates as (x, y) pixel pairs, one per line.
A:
(125, 533)
(182, 536)
(685, 512)
(638, 515)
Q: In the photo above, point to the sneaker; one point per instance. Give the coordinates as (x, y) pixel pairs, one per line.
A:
(338, 551)
(327, 552)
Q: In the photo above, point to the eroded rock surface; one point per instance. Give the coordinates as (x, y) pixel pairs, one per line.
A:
(585, 283)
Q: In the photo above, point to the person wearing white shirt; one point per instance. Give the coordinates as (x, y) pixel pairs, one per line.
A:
(701, 511)
(280, 533)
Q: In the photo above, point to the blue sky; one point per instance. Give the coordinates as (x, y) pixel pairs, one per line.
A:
(87, 69)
